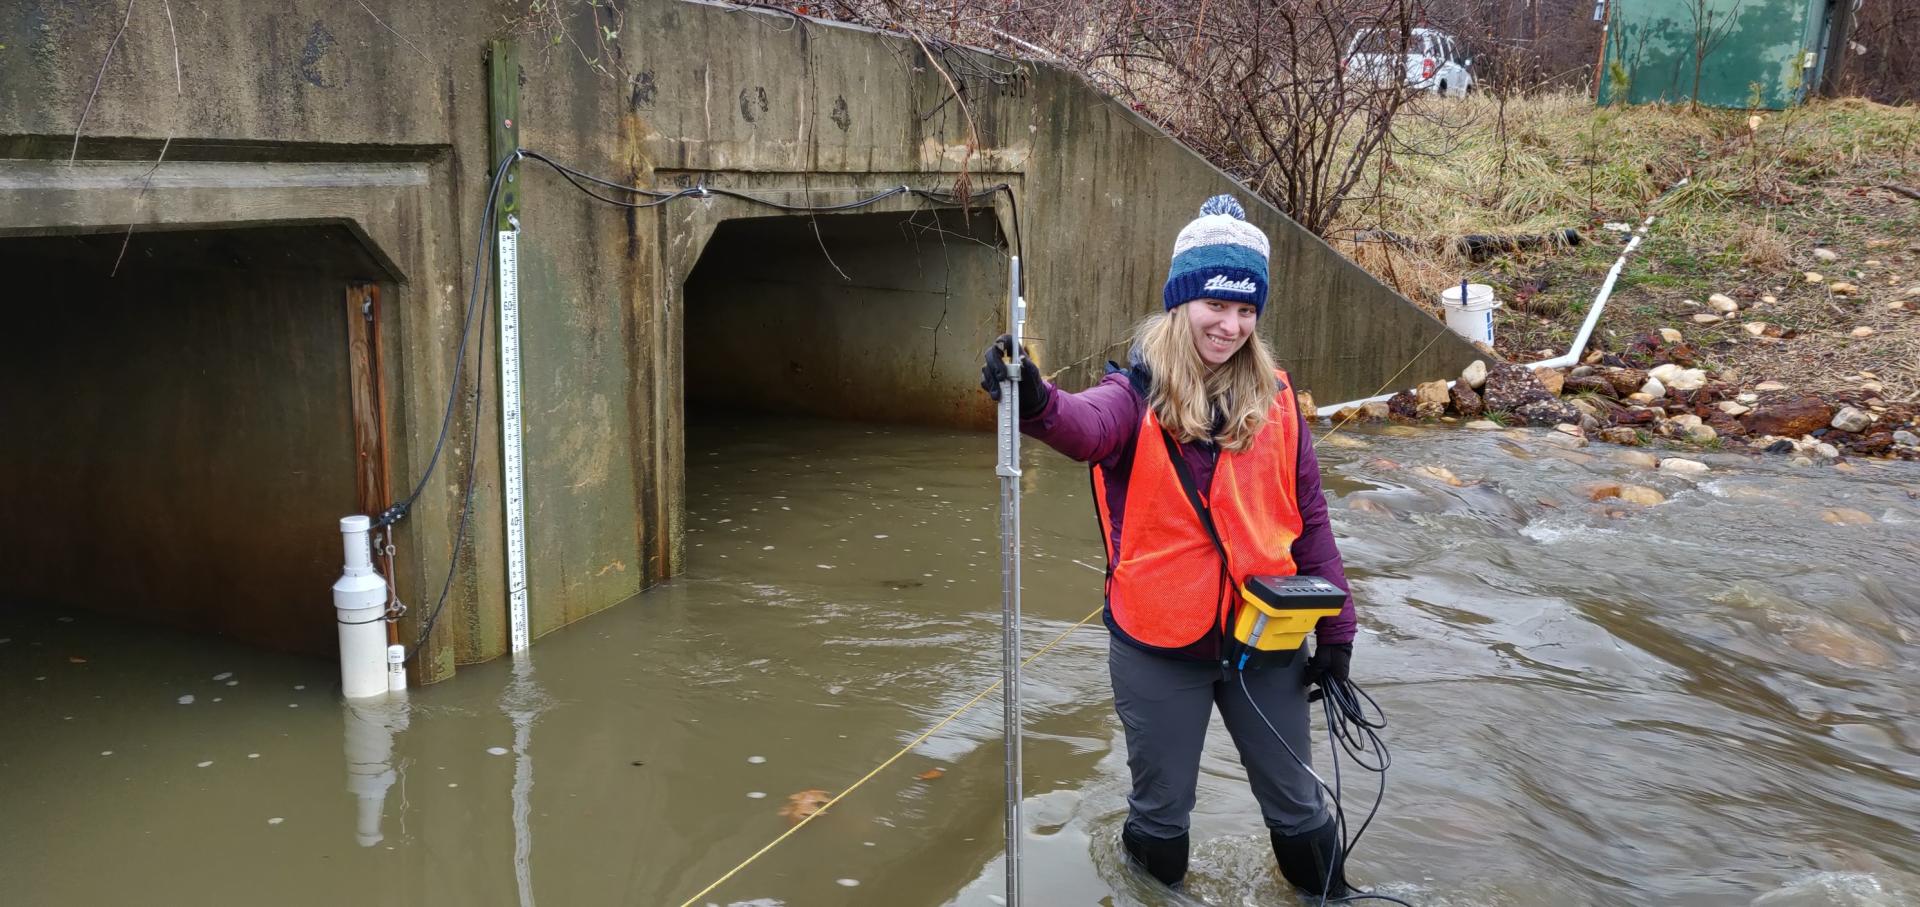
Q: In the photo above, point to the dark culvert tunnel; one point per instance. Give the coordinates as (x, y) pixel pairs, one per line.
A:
(863, 317)
(183, 439)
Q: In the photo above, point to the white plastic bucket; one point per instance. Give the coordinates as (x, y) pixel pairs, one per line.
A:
(1472, 319)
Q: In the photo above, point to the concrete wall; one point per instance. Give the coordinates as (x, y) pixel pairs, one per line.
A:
(374, 116)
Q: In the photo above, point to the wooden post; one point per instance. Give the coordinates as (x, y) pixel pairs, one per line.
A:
(372, 488)
(503, 109)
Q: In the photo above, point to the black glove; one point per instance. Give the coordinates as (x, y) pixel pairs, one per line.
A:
(1329, 660)
(1033, 391)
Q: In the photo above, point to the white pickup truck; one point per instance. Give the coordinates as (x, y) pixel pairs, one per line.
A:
(1432, 61)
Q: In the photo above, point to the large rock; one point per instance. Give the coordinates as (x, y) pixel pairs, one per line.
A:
(1682, 466)
(1624, 380)
(1621, 435)
(1593, 384)
(1677, 378)
(1431, 399)
(1632, 494)
(1403, 405)
(1549, 411)
(1790, 419)
(1511, 386)
(1875, 443)
(1466, 401)
(1475, 375)
(1852, 420)
(1725, 425)
(1552, 379)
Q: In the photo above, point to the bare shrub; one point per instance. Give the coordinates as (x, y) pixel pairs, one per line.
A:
(1260, 87)
(1761, 246)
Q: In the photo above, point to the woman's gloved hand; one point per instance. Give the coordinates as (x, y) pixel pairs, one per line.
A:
(1329, 661)
(1033, 391)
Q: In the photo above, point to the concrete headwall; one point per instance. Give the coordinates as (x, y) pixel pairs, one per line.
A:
(374, 116)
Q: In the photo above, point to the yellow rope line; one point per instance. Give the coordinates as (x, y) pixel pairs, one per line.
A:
(890, 760)
(1383, 386)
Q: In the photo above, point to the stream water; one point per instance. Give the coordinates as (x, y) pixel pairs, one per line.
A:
(1705, 701)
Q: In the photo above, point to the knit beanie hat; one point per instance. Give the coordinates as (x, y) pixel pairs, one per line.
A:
(1218, 255)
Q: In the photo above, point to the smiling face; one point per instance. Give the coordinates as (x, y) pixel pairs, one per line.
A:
(1220, 328)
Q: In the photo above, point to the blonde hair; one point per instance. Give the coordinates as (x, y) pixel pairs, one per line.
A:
(1184, 394)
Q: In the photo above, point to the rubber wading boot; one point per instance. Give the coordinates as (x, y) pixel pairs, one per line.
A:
(1311, 860)
(1163, 858)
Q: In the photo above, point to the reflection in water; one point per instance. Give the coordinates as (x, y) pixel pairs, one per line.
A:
(523, 703)
(369, 727)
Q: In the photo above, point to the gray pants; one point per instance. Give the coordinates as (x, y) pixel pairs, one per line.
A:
(1166, 703)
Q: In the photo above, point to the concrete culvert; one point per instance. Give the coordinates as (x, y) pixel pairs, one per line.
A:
(871, 317)
(182, 440)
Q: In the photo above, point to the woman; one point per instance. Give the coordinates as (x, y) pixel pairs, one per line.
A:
(1203, 405)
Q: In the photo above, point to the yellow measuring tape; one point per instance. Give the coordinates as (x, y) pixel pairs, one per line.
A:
(890, 760)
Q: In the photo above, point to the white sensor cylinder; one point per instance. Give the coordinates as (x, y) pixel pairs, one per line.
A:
(396, 668)
(359, 603)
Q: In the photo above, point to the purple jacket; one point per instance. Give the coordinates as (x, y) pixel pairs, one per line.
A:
(1100, 425)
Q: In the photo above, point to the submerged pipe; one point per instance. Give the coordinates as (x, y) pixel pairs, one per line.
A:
(1572, 355)
(360, 606)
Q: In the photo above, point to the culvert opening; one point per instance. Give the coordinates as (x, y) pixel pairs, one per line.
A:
(864, 317)
(183, 439)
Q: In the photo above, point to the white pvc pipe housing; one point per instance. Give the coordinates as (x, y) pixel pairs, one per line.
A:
(359, 603)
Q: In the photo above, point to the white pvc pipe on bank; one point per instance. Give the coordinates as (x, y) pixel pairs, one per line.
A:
(1572, 355)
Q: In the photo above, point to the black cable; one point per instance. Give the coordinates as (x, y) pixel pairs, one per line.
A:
(399, 510)
(466, 502)
(479, 290)
(661, 197)
(1352, 731)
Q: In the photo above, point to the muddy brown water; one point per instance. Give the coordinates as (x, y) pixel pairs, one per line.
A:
(1708, 701)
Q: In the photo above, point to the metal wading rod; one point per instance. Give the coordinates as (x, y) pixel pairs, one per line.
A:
(1008, 469)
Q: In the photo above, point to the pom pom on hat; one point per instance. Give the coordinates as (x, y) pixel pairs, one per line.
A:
(1223, 204)
(1219, 255)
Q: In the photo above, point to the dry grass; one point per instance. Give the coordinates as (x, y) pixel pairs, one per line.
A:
(1762, 194)
(1761, 246)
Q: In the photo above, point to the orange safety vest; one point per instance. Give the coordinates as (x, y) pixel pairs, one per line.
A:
(1165, 586)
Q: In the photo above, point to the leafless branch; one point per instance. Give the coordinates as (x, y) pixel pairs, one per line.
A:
(389, 28)
(98, 76)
